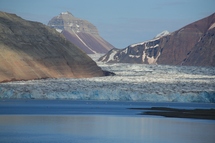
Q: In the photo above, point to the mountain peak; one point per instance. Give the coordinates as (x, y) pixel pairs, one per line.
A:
(80, 32)
(164, 33)
(30, 50)
(66, 21)
(67, 12)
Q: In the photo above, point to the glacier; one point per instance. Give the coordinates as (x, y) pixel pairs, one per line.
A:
(133, 82)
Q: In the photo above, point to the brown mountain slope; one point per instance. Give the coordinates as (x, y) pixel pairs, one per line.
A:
(178, 45)
(203, 53)
(31, 50)
(80, 32)
(191, 45)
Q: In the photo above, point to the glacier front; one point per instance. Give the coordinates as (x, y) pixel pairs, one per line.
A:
(133, 82)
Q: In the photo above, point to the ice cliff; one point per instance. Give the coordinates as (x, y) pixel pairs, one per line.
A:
(133, 82)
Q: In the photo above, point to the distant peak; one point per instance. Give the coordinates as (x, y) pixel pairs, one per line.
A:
(63, 13)
(164, 33)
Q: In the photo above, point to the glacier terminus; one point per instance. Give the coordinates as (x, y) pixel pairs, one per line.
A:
(132, 82)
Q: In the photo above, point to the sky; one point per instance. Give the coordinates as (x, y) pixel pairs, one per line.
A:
(120, 22)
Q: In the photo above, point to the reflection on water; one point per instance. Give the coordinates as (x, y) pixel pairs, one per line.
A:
(104, 129)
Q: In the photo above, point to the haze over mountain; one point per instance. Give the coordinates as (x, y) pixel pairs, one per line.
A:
(80, 32)
(192, 45)
(31, 50)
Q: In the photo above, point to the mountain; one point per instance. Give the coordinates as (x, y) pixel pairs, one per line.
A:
(146, 52)
(80, 32)
(30, 50)
(204, 50)
(191, 45)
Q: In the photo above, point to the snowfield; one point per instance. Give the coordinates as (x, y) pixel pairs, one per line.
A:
(133, 82)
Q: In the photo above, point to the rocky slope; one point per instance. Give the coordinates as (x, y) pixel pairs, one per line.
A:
(31, 50)
(80, 32)
(204, 50)
(190, 45)
(146, 52)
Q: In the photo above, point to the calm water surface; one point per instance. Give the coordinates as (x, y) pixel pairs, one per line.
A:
(106, 124)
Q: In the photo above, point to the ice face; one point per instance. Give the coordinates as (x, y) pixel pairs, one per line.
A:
(133, 82)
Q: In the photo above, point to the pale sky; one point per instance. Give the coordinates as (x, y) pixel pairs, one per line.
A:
(120, 22)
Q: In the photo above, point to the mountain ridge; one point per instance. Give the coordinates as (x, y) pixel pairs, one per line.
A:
(31, 50)
(171, 49)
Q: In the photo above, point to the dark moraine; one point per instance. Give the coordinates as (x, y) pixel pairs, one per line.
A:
(179, 113)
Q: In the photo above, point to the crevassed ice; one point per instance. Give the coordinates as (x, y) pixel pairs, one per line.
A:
(133, 82)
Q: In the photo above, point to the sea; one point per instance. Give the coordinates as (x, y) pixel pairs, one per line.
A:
(85, 121)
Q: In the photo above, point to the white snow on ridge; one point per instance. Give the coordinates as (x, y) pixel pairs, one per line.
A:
(137, 44)
(141, 43)
(164, 33)
(64, 13)
(133, 82)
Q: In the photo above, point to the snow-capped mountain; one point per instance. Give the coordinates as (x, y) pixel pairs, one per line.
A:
(80, 32)
(193, 45)
(30, 50)
(146, 52)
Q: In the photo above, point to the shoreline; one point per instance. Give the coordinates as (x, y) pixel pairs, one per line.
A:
(208, 114)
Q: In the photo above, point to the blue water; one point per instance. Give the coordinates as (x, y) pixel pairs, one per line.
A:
(36, 121)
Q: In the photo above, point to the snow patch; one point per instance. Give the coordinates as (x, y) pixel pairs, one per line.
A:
(212, 26)
(164, 33)
(70, 24)
(59, 30)
(151, 47)
(111, 57)
(144, 56)
(77, 25)
(137, 44)
(103, 58)
(134, 56)
(64, 12)
(152, 60)
(125, 51)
